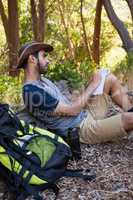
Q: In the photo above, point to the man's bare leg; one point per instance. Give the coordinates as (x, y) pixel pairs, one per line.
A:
(114, 88)
(127, 121)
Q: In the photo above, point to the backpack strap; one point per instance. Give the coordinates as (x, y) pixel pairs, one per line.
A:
(22, 196)
(86, 175)
(34, 190)
(8, 114)
(16, 120)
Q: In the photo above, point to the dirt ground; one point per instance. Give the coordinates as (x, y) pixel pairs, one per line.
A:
(113, 165)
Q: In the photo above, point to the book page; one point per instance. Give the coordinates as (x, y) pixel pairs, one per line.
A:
(104, 73)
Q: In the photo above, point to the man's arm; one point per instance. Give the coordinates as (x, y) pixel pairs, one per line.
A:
(75, 107)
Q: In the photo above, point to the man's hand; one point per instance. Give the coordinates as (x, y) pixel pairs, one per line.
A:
(94, 83)
(75, 107)
(96, 79)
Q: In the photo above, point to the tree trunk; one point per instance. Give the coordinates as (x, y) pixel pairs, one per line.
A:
(34, 19)
(61, 10)
(11, 27)
(119, 26)
(41, 19)
(88, 49)
(97, 30)
(38, 19)
(13, 34)
(130, 5)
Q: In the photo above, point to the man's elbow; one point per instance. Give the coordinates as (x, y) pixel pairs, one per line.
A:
(74, 112)
(66, 110)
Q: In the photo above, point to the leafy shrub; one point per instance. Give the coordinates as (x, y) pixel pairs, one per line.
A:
(10, 90)
(76, 74)
(126, 64)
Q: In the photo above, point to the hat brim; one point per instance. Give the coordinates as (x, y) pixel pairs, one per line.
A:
(32, 48)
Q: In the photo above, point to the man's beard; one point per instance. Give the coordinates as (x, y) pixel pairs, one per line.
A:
(43, 69)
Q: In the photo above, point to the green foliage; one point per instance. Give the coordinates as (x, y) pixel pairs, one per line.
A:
(10, 90)
(77, 74)
(107, 38)
(26, 30)
(3, 59)
(126, 64)
(86, 69)
(25, 23)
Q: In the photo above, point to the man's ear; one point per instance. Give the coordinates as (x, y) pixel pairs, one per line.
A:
(32, 59)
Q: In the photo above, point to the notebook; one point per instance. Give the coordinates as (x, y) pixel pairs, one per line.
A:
(104, 73)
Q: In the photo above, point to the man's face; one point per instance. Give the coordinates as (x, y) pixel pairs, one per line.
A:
(44, 62)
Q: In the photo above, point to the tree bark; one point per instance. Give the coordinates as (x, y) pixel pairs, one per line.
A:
(34, 19)
(11, 27)
(41, 19)
(38, 19)
(13, 34)
(119, 26)
(88, 49)
(97, 30)
(130, 5)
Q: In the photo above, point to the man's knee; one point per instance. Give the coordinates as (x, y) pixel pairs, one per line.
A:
(110, 81)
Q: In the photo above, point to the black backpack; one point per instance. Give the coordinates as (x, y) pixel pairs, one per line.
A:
(32, 159)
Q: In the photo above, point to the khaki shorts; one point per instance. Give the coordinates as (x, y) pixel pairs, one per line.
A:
(103, 122)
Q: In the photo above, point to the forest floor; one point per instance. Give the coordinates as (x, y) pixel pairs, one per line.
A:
(113, 164)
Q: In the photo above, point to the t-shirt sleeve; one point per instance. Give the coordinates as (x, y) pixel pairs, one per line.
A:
(36, 98)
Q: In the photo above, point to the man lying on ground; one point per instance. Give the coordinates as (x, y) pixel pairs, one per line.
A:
(92, 114)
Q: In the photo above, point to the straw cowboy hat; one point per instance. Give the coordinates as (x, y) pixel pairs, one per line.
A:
(30, 48)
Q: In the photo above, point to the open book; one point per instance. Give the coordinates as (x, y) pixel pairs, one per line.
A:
(104, 73)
